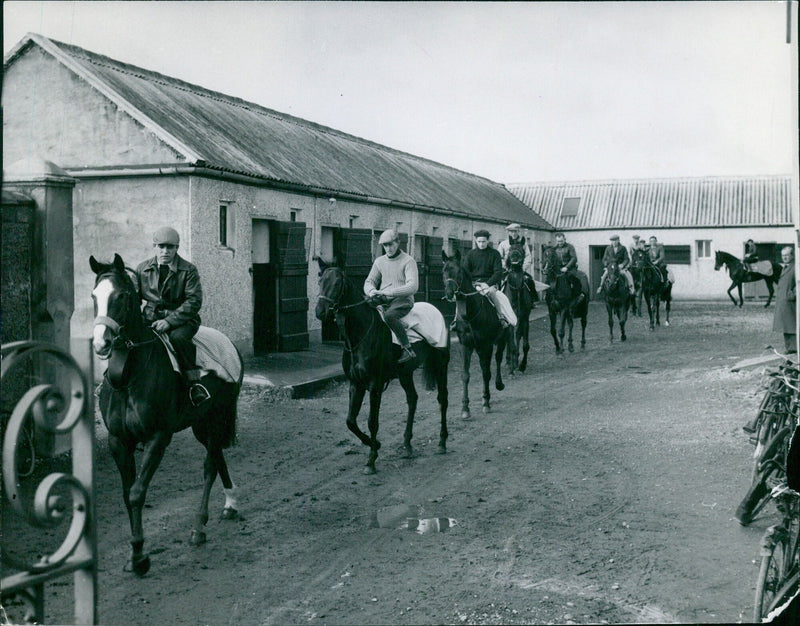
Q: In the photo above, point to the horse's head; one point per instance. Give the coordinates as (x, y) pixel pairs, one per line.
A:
(515, 260)
(116, 305)
(332, 287)
(718, 261)
(566, 287)
(454, 276)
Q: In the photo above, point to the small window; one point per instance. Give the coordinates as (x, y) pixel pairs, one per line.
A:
(227, 226)
(292, 216)
(703, 248)
(678, 255)
(569, 207)
(223, 225)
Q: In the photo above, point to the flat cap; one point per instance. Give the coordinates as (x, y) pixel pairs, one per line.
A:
(514, 226)
(166, 235)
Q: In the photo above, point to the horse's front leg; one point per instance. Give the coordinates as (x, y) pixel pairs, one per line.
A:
(357, 393)
(741, 298)
(610, 311)
(151, 459)
(526, 346)
(553, 322)
(623, 317)
(658, 311)
(771, 291)
(571, 323)
(563, 330)
(407, 382)
(485, 358)
(730, 295)
(375, 393)
(648, 300)
(583, 331)
(123, 454)
(508, 333)
(467, 361)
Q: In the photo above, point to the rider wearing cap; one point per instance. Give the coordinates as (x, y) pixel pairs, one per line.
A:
(656, 254)
(170, 287)
(616, 253)
(394, 278)
(563, 259)
(515, 240)
(484, 265)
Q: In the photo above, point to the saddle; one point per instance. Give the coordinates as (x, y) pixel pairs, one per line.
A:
(423, 323)
(216, 354)
(759, 267)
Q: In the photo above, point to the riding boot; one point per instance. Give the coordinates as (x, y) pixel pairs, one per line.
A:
(197, 390)
(407, 355)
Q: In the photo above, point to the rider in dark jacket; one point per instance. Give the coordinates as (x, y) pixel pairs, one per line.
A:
(170, 287)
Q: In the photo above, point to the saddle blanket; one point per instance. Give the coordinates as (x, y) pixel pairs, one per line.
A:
(761, 267)
(423, 323)
(215, 353)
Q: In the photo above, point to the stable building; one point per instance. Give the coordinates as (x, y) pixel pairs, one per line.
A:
(692, 217)
(255, 194)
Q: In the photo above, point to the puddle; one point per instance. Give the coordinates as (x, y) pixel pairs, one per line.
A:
(405, 517)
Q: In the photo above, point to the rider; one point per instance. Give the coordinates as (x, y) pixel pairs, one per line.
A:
(750, 254)
(395, 277)
(634, 247)
(617, 254)
(170, 287)
(486, 268)
(517, 242)
(564, 260)
(656, 255)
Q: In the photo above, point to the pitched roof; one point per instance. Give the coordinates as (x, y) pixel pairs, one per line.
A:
(229, 134)
(665, 203)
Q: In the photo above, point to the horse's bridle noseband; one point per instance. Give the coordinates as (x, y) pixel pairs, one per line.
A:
(458, 290)
(336, 305)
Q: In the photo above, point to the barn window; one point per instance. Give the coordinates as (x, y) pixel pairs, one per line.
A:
(227, 226)
(703, 248)
(678, 255)
(569, 208)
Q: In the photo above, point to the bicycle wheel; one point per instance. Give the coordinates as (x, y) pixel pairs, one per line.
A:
(774, 565)
(770, 465)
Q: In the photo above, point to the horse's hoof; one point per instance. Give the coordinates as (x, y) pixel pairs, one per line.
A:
(441, 449)
(523, 367)
(499, 386)
(407, 452)
(139, 567)
(197, 537)
(229, 513)
(623, 338)
(369, 470)
(465, 415)
(572, 348)
(666, 323)
(486, 409)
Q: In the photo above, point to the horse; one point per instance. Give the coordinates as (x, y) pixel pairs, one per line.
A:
(144, 402)
(618, 299)
(370, 360)
(655, 289)
(739, 275)
(521, 295)
(566, 300)
(478, 328)
(635, 268)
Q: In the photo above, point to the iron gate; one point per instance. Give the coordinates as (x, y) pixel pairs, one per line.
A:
(50, 394)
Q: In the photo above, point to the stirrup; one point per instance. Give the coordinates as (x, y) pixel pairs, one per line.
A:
(407, 355)
(198, 393)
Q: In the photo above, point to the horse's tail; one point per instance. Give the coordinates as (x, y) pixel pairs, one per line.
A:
(230, 413)
(437, 360)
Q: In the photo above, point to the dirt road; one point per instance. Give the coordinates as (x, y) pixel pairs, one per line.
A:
(601, 488)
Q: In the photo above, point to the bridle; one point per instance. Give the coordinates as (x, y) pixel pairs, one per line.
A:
(337, 307)
(118, 339)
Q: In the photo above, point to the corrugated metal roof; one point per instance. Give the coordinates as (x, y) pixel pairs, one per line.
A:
(230, 134)
(664, 203)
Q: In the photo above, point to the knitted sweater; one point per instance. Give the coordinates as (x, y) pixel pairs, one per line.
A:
(394, 277)
(484, 266)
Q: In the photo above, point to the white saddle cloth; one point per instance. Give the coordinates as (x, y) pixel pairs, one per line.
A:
(761, 267)
(215, 353)
(423, 323)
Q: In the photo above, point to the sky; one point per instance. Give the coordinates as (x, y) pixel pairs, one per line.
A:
(514, 92)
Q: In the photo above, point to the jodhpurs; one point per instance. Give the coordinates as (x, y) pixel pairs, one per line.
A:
(392, 313)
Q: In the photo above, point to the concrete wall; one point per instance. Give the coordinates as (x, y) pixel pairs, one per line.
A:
(698, 280)
(51, 112)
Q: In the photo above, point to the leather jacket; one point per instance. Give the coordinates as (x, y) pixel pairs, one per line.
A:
(180, 297)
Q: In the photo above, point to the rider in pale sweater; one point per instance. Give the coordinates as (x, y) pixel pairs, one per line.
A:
(395, 277)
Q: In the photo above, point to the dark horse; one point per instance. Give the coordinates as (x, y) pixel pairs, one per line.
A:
(739, 275)
(370, 360)
(566, 300)
(144, 401)
(521, 294)
(478, 328)
(618, 299)
(635, 268)
(655, 289)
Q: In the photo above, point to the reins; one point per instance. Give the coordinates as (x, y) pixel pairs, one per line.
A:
(337, 307)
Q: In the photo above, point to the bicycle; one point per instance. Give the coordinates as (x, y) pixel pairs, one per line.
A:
(779, 573)
(773, 427)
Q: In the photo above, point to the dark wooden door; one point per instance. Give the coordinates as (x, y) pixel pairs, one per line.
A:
(595, 268)
(288, 250)
(353, 247)
(265, 318)
(434, 282)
